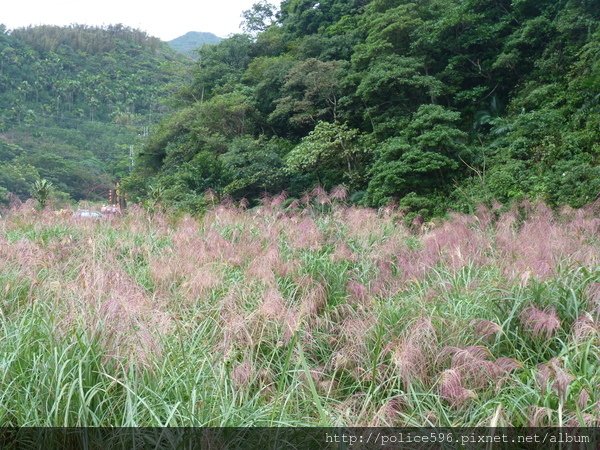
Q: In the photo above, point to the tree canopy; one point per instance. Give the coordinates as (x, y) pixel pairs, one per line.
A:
(73, 100)
(433, 104)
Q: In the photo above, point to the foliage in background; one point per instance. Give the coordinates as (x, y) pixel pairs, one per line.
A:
(72, 102)
(449, 103)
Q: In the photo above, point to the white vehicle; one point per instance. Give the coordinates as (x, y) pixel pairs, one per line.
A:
(87, 214)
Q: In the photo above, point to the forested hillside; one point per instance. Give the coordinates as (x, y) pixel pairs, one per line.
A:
(433, 104)
(73, 100)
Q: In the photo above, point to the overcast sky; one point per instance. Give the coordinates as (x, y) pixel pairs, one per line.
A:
(165, 19)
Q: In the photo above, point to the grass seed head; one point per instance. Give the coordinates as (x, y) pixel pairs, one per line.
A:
(540, 323)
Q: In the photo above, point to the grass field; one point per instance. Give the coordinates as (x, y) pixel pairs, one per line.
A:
(322, 315)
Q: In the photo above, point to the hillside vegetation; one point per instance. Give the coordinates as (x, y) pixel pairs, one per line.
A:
(433, 104)
(72, 102)
(308, 315)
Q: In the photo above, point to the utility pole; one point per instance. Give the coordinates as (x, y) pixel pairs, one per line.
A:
(130, 158)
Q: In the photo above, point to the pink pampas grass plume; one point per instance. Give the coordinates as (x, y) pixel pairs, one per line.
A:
(320, 195)
(486, 329)
(543, 375)
(507, 365)
(305, 235)
(412, 355)
(273, 306)
(314, 297)
(290, 326)
(475, 367)
(540, 323)
(583, 399)
(539, 416)
(553, 371)
(339, 193)
(278, 200)
(201, 283)
(452, 390)
(585, 327)
(562, 379)
(473, 364)
(410, 363)
(593, 296)
(586, 420)
(357, 292)
(390, 411)
(343, 253)
(243, 203)
(242, 374)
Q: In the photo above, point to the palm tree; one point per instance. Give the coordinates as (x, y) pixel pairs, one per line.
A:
(41, 192)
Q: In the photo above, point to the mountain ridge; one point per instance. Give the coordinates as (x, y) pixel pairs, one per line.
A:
(191, 41)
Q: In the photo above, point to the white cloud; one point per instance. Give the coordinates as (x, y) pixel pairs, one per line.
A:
(165, 19)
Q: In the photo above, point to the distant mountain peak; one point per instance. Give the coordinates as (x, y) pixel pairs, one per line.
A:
(192, 41)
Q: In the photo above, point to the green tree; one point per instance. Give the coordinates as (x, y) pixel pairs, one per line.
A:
(18, 178)
(424, 159)
(332, 152)
(256, 167)
(311, 93)
(41, 191)
(259, 17)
